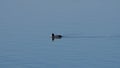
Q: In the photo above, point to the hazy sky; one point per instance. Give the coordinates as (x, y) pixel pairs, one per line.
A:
(18, 11)
(17, 14)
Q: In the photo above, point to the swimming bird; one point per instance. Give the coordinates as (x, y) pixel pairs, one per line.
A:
(56, 36)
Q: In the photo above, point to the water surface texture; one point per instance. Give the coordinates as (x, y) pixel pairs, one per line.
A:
(90, 29)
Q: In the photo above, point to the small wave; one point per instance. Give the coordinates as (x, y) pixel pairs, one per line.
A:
(88, 36)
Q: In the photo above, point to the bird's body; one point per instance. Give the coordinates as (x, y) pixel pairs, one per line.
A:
(56, 36)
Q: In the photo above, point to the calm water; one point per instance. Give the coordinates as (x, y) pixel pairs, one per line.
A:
(32, 47)
(90, 29)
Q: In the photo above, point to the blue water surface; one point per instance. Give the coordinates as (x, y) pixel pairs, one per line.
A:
(90, 29)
